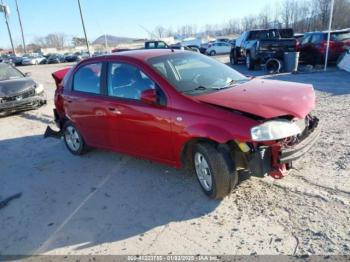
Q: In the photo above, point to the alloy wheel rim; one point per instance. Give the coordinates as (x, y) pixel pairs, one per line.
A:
(203, 171)
(72, 138)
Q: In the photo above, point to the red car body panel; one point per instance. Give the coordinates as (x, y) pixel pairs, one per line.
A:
(266, 98)
(159, 132)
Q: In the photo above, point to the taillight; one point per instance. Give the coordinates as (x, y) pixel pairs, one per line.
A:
(332, 45)
(297, 45)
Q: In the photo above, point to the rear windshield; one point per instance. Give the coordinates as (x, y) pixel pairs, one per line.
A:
(341, 36)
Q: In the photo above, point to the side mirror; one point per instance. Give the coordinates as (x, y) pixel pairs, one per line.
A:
(149, 96)
(27, 74)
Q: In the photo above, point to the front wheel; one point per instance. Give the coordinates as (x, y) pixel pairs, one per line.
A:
(213, 172)
(212, 53)
(73, 139)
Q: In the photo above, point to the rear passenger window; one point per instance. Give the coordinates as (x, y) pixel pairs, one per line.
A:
(306, 39)
(127, 81)
(88, 78)
(317, 38)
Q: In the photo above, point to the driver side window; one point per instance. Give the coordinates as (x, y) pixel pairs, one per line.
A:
(127, 81)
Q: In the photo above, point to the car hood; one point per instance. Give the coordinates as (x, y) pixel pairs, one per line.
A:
(15, 86)
(265, 98)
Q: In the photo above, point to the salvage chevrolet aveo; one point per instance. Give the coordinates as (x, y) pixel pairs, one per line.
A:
(186, 110)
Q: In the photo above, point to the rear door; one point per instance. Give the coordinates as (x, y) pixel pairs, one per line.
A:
(136, 127)
(84, 104)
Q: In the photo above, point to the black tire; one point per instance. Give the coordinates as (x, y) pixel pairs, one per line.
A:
(81, 146)
(233, 58)
(212, 53)
(249, 62)
(222, 176)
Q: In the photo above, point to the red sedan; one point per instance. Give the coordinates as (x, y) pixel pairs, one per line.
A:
(185, 109)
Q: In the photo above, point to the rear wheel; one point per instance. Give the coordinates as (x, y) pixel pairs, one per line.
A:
(73, 139)
(233, 58)
(213, 172)
(249, 62)
(212, 53)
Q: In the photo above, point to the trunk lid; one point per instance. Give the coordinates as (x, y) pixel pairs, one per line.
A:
(59, 75)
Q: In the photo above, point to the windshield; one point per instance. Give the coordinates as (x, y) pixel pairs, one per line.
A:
(7, 72)
(194, 73)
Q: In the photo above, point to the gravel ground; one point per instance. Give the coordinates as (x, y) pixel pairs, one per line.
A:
(108, 203)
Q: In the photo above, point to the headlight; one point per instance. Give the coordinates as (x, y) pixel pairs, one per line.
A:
(39, 89)
(274, 130)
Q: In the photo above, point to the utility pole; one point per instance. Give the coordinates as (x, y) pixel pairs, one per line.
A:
(106, 43)
(20, 24)
(82, 21)
(329, 35)
(4, 9)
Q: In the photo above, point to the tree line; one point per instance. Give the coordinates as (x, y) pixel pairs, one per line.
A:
(301, 15)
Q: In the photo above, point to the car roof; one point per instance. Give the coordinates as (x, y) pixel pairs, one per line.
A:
(145, 54)
(332, 31)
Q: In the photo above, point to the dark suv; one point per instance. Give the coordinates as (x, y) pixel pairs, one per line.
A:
(257, 46)
(313, 46)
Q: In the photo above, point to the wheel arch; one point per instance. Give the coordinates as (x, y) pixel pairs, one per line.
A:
(229, 149)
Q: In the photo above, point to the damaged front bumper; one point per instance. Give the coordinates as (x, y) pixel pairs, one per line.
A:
(276, 159)
(287, 155)
(21, 104)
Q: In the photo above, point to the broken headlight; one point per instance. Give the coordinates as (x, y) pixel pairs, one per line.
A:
(274, 130)
(39, 89)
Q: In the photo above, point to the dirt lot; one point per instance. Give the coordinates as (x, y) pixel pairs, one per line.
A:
(107, 203)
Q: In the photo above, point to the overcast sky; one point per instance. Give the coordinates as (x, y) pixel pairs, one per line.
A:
(119, 17)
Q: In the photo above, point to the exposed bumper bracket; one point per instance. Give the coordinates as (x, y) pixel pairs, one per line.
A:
(290, 154)
(52, 133)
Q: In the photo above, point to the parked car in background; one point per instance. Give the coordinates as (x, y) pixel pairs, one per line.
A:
(83, 55)
(193, 111)
(222, 40)
(298, 37)
(32, 60)
(257, 46)
(11, 59)
(55, 59)
(203, 48)
(194, 48)
(156, 44)
(218, 48)
(72, 58)
(99, 53)
(313, 46)
(232, 42)
(18, 92)
(179, 46)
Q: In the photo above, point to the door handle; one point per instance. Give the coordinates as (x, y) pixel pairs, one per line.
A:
(114, 110)
(70, 100)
